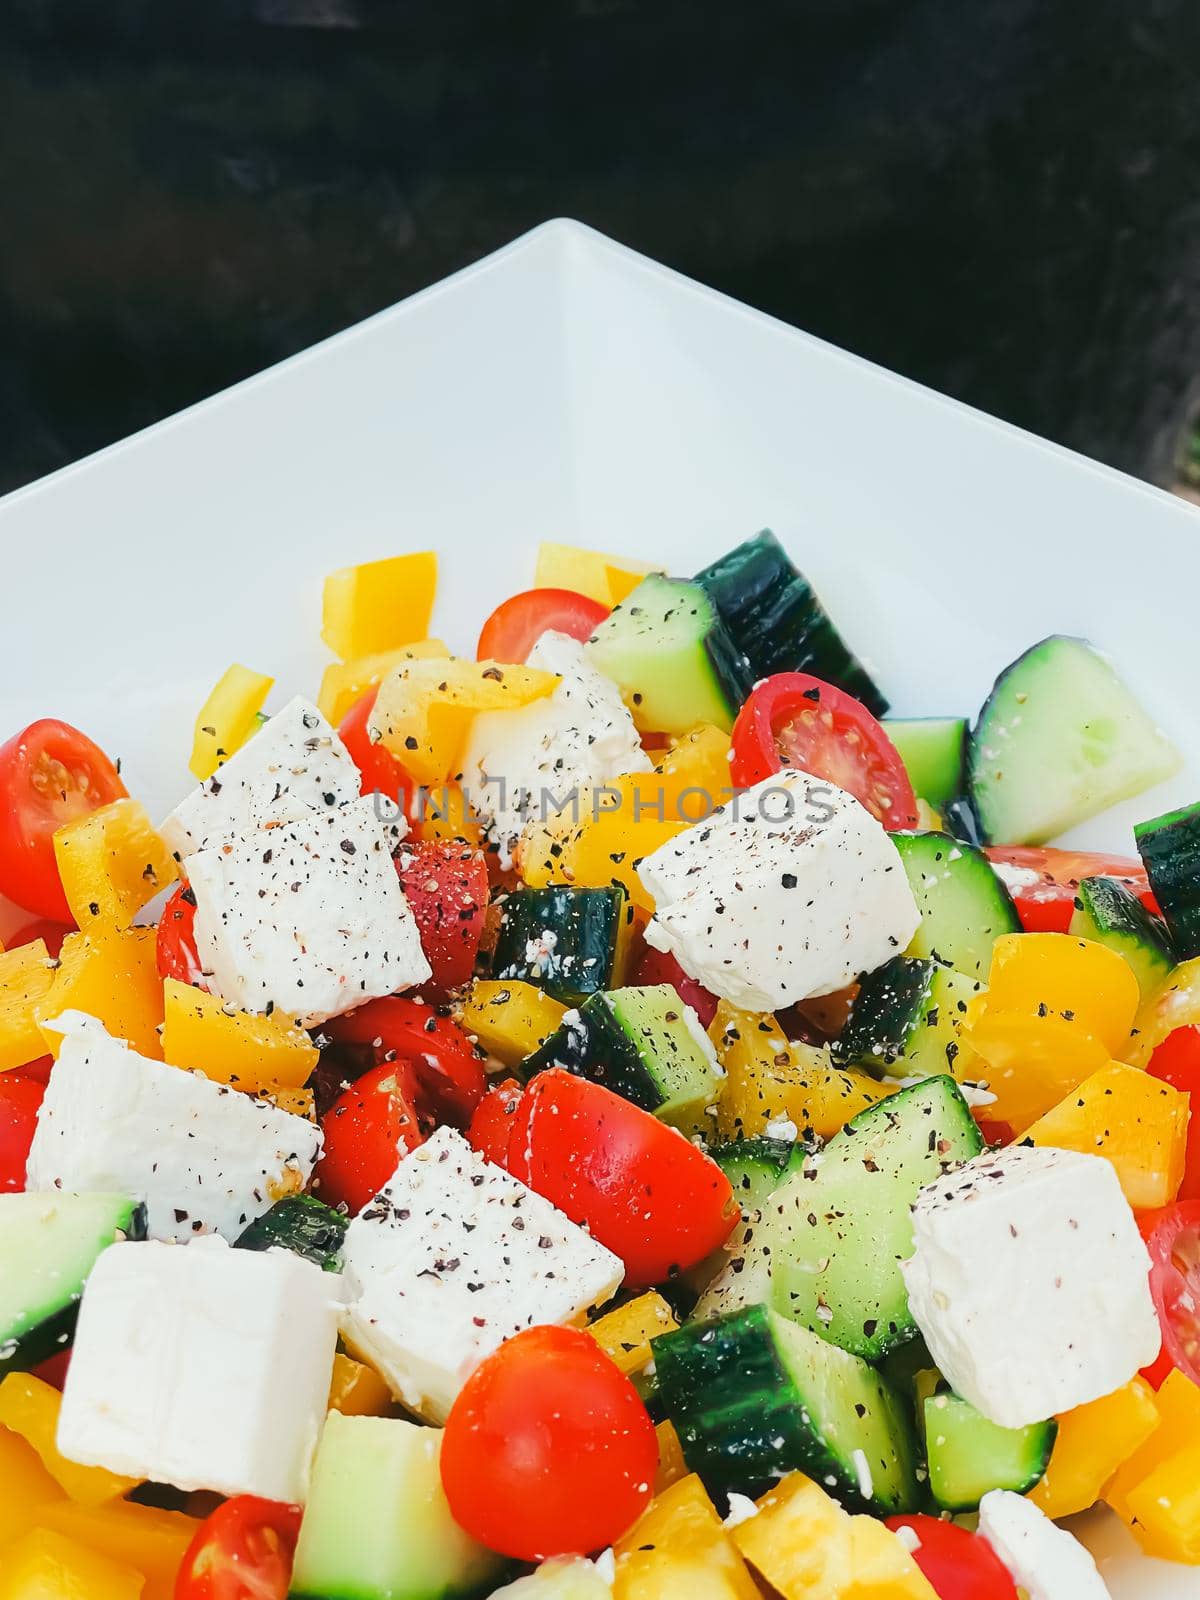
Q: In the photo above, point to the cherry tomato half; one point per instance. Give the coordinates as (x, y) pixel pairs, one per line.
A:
(1177, 1062)
(243, 1551)
(20, 1097)
(367, 1129)
(794, 720)
(548, 1450)
(448, 1075)
(1172, 1237)
(959, 1565)
(657, 966)
(446, 885)
(51, 934)
(1043, 881)
(175, 946)
(381, 773)
(516, 625)
(492, 1123)
(50, 773)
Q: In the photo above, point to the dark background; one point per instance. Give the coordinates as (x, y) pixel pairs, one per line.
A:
(998, 197)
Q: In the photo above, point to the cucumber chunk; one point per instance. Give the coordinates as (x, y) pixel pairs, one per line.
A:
(302, 1224)
(49, 1244)
(561, 939)
(757, 1167)
(667, 650)
(964, 907)
(934, 752)
(752, 1397)
(1170, 850)
(905, 1017)
(1108, 911)
(1059, 740)
(968, 1455)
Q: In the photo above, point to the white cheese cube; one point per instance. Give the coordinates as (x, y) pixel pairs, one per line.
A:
(517, 764)
(202, 1367)
(453, 1257)
(294, 764)
(308, 917)
(1047, 1562)
(1029, 1281)
(790, 890)
(204, 1157)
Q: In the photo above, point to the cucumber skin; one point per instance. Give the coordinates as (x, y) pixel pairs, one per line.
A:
(757, 1166)
(302, 1224)
(1170, 850)
(904, 1012)
(1108, 911)
(587, 922)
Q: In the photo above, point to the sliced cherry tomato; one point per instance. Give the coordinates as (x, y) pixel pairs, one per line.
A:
(52, 935)
(548, 1449)
(175, 946)
(367, 1130)
(492, 1124)
(1177, 1062)
(1172, 1237)
(794, 720)
(516, 625)
(380, 771)
(446, 885)
(959, 1565)
(50, 773)
(1043, 881)
(656, 966)
(243, 1551)
(994, 1133)
(54, 1370)
(20, 1097)
(448, 1074)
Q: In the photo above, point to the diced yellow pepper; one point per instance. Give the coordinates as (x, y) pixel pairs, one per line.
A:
(1064, 976)
(443, 813)
(379, 605)
(1091, 1443)
(229, 1046)
(1178, 1406)
(46, 1566)
(345, 682)
(699, 759)
(625, 1334)
(1165, 1507)
(1173, 1006)
(671, 1465)
(112, 862)
(112, 975)
(25, 979)
(679, 1550)
(510, 1019)
(424, 708)
(1028, 1062)
(605, 578)
(299, 1102)
(357, 1390)
(1131, 1119)
(144, 1537)
(26, 1488)
(227, 718)
(30, 1408)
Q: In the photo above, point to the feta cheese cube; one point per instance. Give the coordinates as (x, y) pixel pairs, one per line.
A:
(308, 916)
(790, 890)
(204, 1157)
(1047, 1562)
(202, 1367)
(453, 1257)
(1029, 1283)
(518, 762)
(294, 764)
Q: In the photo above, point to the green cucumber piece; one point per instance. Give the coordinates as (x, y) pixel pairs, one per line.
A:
(644, 1044)
(1108, 911)
(968, 1455)
(904, 1019)
(1170, 850)
(666, 648)
(777, 622)
(302, 1224)
(49, 1244)
(752, 1397)
(934, 752)
(757, 1167)
(561, 939)
(1059, 740)
(964, 907)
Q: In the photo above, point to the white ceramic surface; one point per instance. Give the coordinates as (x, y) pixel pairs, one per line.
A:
(568, 388)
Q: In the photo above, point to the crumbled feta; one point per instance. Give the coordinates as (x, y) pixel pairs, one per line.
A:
(1046, 1561)
(453, 1257)
(1029, 1282)
(741, 1509)
(204, 1157)
(205, 1367)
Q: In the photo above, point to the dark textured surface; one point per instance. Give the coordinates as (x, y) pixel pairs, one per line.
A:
(1000, 198)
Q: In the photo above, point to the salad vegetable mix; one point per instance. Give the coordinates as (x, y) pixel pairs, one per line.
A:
(614, 1115)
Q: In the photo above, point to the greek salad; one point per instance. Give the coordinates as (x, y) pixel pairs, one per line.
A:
(615, 1113)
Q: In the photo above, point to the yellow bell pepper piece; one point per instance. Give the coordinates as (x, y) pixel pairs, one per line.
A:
(1165, 1508)
(1178, 1406)
(1131, 1119)
(1091, 1443)
(25, 979)
(1065, 976)
(30, 1408)
(112, 862)
(143, 1537)
(229, 1046)
(443, 812)
(1174, 1005)
(605, 578)
(299, 1102)
(1028, 1062)
(344, 683)
(46, 1566)
(679, 1550)
(700, 759)
(379, 605)
(625, 1334)
(26, 1489)
(112, 975)
(357, 1390)
(510, 1019)
(227, 718)
(671, 1465)
(425, 707)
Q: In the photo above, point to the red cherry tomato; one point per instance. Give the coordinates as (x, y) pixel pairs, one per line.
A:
(548, 1450)
(1043, 881)
(243, 1551)
(516, 625)
(50, 773)
(446, 885)
(175, 946)
(20, 1097)
(52, 935)
(656, 966)
(794, 720)
(367, 1130)
(54, 1370)
(380, 771)
(447, 1073)
(995, 1133)
(1177, 1062)
(959, 1565)
(492, 1123)
(1172, 1237)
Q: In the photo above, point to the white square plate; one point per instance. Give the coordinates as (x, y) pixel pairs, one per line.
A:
(567, 388)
